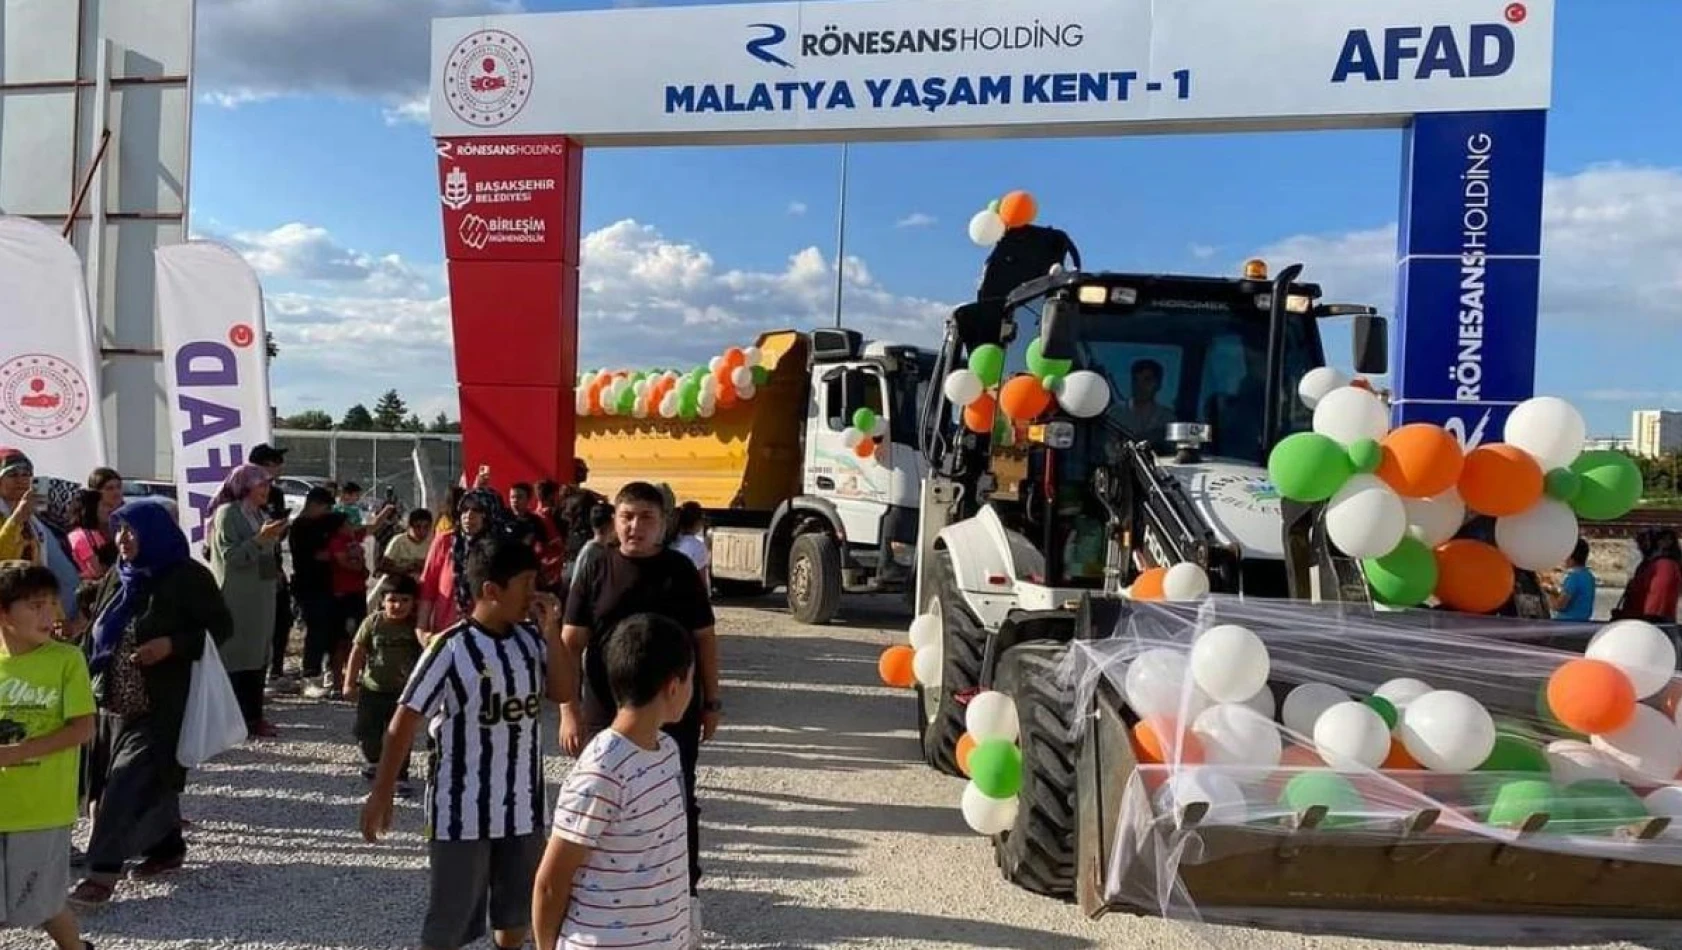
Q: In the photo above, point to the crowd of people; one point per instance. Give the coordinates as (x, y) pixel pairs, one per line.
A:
(466, 621)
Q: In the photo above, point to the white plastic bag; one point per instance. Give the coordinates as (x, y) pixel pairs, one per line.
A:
(214, 723)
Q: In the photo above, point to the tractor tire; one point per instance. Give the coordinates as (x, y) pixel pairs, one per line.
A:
(814, 578)
(1038, 853)
(940, 718)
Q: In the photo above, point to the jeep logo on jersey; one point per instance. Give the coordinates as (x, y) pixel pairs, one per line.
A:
(1414, 52)
(511, 710)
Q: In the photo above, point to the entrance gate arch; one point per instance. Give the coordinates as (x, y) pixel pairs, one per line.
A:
(517, 99)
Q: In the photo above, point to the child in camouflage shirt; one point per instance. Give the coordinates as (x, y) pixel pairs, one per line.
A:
(385, 652)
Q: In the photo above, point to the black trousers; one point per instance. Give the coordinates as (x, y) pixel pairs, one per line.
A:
(138, 784)
(248, 689)
(687, 733)
(374, 710)
(324, 626)
(282, 627)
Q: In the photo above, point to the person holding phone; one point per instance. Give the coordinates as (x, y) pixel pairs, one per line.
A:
(243, 541)
(17, 487)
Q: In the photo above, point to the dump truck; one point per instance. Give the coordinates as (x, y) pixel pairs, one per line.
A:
(1029, 541)
(790, 501)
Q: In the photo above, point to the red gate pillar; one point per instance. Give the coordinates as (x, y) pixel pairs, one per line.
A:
(511, 236)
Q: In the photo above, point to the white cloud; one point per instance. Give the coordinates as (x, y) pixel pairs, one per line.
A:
(1611, 249)
(252, 50)
(645, 299)
(797, 208)
(1203, 251)
(301, 252)
(417, 111)
(915, 219)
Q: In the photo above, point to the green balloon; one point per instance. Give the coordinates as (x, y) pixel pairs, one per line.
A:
(1385, 708)
(1317, 787)
(1003, 433)
(1042, 367)
(864, 419)
(1517, 800)
(1405, 577)
(995, 766)
(993, 206)
(1562, 484)
(627, 401)
(1515, 754)
(1366, 455)
(761, 376)
(988, 362)
(1611, 485)
(1308, 467)
(1600, 806)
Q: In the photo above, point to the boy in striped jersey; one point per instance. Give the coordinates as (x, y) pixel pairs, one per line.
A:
(480, 687)
(616, 872)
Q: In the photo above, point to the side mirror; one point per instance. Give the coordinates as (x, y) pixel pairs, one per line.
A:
(1057, 328)
(1372, 345)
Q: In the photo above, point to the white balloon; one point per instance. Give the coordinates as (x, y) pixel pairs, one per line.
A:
(1352, 733)
(1317, 382)
(1666, 802)
(851, 437)
(1366, 518)
(1402, 691)
(1647, 751)
(987, 816)
(1188, 786)
(1185, 581)
(925, 665)
(714, 363)
(962, 387)
(992, 715)
(1229, 663)
(741, 376)
(1447, 731)
(709, 387)
(1233, 734)
(1264, 704)
(880, 429)
(668, 406)
(925, 631)
(1435, 521)
(1157, 681)
(640, 387)
(1304, 704)
(1641, 650)
(1350, 414)
(752, 355)
(1571, 761)
(1083, 394)
(706, 409)
(746, 392)
(986, 228)
(640, 409)
(1549, 428)
(581, 403)
(1540, 538)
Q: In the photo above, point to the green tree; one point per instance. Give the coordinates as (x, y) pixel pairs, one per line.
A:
(313, 420)
(270, 346)
(358, 419)
(441, 425)
(390, 411)
(413, 424)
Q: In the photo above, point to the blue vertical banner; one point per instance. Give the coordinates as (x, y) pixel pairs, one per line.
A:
(1468, 269)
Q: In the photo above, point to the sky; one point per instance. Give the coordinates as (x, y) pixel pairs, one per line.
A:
(311, 156)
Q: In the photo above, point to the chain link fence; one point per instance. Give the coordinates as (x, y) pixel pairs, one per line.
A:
(380, 462)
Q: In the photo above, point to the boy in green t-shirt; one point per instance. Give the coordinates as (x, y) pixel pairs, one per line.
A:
(46, 715)
(385, 653)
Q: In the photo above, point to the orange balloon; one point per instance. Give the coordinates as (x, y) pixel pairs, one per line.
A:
(1148, 586)
(1154, 744)
(734, 357)
(978, 415)
(1399, 759)
(1500, 480)
(727, 397)
(1591, 696)
(1024, 398)
(722, 374)
(1473, 577)
(966, 745)
(865, 449)
(1017, 208)
(1421, 460)
(895, 666)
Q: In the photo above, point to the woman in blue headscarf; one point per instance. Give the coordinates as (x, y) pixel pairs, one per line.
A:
(152, 618)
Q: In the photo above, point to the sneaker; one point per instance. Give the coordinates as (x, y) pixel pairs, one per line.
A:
(90, 894)
(315, 691)
(283, 685)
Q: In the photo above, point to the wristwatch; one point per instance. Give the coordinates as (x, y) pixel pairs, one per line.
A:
(712, 705)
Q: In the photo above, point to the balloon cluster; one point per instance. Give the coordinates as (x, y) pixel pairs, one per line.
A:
(1600, 696)
(987, 753)
(1014, 210)
(867, 433)
(902, 666)
(725, 381)
(1396, 498)
(990, 402)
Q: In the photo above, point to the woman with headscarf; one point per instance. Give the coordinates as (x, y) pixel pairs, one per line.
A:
(1655, 587)
(153, 618)
(445, 595)
(242, 540)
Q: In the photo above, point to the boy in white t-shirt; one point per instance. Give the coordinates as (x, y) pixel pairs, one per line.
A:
(691, 539)
(616, 871)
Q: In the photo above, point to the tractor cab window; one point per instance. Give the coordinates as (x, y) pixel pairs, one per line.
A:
(848, 392)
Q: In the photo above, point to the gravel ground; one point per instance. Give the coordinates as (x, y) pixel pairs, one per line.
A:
(821, 828)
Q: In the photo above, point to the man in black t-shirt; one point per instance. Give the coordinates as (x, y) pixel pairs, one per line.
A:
(312, 583)
(639, 574)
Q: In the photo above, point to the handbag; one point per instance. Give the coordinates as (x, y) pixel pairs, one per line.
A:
(213, 723)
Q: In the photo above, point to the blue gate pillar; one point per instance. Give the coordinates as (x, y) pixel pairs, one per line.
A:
(1469, 264)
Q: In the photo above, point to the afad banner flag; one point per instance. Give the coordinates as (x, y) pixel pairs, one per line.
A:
(49, 361)
(210, 314)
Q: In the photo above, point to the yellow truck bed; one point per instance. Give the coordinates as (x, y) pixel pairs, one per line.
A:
(748, 456)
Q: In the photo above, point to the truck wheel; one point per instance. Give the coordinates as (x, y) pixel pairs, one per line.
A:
(1038, 853)
(940, 717)
(814, 578)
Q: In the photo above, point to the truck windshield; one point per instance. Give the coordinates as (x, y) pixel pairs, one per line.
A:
(1191, 361)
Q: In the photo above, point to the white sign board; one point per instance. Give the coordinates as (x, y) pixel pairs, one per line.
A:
(866, 69)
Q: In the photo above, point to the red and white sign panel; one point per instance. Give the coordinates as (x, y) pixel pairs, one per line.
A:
(507, 199)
